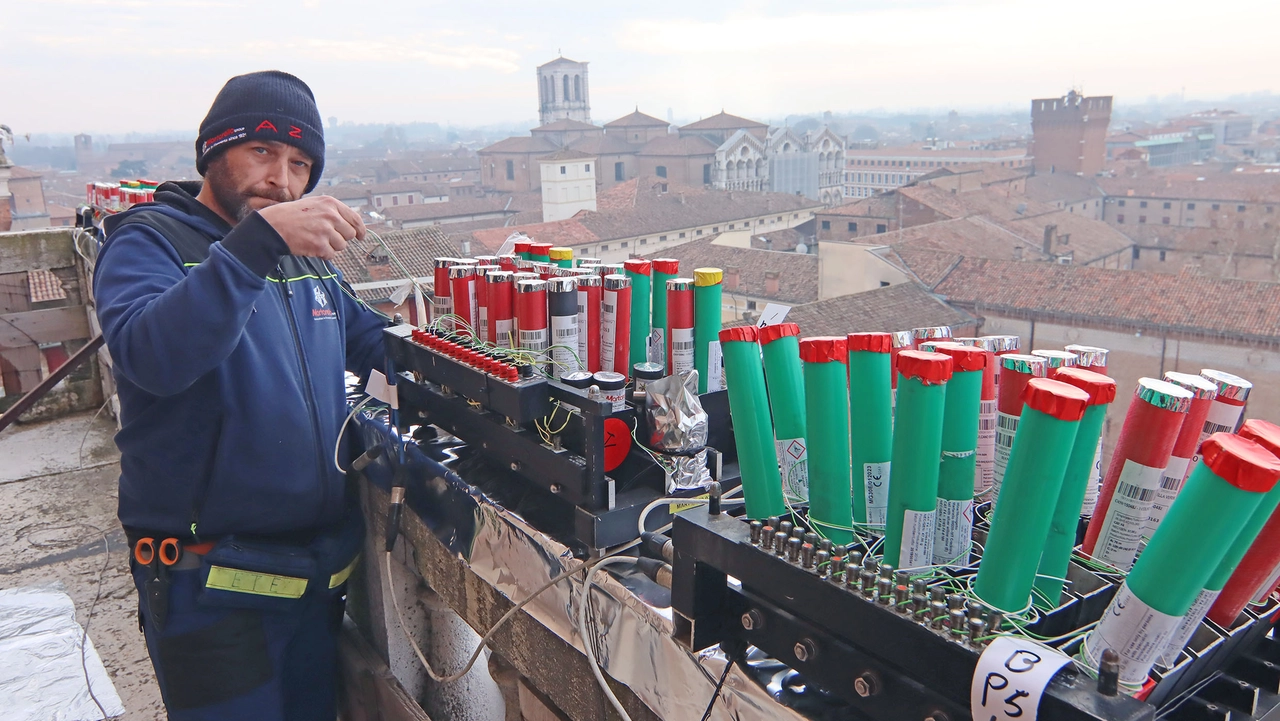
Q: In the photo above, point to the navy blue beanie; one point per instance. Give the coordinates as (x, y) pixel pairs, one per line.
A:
(268, 105)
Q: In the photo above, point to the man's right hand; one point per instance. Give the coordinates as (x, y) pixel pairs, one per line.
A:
(318, 226)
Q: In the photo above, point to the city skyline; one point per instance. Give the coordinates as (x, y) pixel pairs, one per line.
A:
(138, 65)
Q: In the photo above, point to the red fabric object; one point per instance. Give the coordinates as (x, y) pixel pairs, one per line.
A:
(770, 333)
(667, 266)
(1242, 462)
(868, 342)
(1101, 389)
(929, 368)
(1055, 398)
(522, 246)
(823, 349)
(541, 248)
(964, 357)
(639, 266)
(746, 333)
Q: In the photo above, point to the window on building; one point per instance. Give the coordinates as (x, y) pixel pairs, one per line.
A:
(731, 226)
(562, 169)
(1121, 203)
(698, 232)
(511, 170)
(795, 215)
(603, 248)
(410, 199)
(884, 284)
(1239, 208)
(661, 238)
(644, 241)
(378, 201)
(661, 171)
(624, 244)
(395, 200)
(1120, 219)
(1168, 206)
(1191, 206)
(715, 229)
(1162, 256)
(751, 305)
(1137, 252)
(880, 227)
(682, 235)
(779, 218)
(1142, 218)
(1142, 204)
(619, 172)
(1217, 206)
(706, 173)
(826, 225)
(853, 227)
(1164, 220)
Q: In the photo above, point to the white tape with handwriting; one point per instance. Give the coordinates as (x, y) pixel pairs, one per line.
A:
(1010, 678)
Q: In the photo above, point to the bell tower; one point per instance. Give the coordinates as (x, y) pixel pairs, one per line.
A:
(562, 91)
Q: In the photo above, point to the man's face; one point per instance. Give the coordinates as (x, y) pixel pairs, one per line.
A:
(251, 176)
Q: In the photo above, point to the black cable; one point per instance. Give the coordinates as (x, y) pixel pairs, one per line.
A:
(719, 685)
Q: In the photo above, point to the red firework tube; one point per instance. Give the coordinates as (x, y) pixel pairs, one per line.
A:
(1057, 359)
(590, 293)
(613, 269)
(900, 340)
(462, 281)
(442, 300)
(679, 325)
(501, 286)
(522, 248)
(933, 333)
(540, 252)
(1089, 357)
(1185, 446)
(1005, 344)
(1224, 414)
(531, 315)
(986, 451)
(1019, 369)
(482, 300)
(1255, 577)
(1142, 451)
(509, 263)
(615, 324)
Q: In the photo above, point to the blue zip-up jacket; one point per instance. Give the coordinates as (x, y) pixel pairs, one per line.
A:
(228, 356)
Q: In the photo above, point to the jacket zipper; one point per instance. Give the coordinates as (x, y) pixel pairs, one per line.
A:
(285, 294)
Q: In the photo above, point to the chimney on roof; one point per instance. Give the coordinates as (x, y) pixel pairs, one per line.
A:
(466, 248)
(1050, 232)
(681, 196)
(1017, 252)
(732, 278)
(771, 283)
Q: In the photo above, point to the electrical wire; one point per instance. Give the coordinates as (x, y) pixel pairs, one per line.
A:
(583, 600)
(84, 634)
(715, 695)
(338, 443)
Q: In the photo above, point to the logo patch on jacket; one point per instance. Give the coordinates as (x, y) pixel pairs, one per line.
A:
(322, 300)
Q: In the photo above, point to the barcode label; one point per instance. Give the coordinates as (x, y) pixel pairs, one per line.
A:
(564, 334)
(1127, 515)
(502, 332)
(535, 340)
(564, 340)
(1170, 484)
(985, 464)
(986, 424)
(682, 345)
(681, 350)
(1171, 481)
(1222, 418)
(1005, 431)
(1211, 428)
(607, 308)
(1137, 493)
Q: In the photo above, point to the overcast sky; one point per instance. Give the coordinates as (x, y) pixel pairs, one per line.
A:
(121, 65)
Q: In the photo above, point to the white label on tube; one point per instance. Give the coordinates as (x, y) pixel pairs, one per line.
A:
(483, 314)
(534, 340)
(1170, 484)
(1010, 678)
(917, 539)
(715, 367)
(1188, 626)
(681, 350)
(875, 489)
(1006, 428)
(1262, 593)
(443, 306)
(1127, 515)
(608, 327)
(1222, 418)
(471, 319)
(657, 352)
(1092, 488)
(986, 446)
(793, 459)
(583, 330)
(502, 329)
(1134, 630)
(953, 532)
(564, 341)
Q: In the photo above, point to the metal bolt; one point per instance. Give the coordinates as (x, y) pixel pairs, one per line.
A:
(515, 465)
(822, 561)
(868, 579)
(805, 650)
(811, 538)
(806, 556)
(780, 543)
(886, 571)
(793, 549)
(556, 488)
(867, 684)
(766, 537)
(756, 528)
(785, 527)
(753, 620)
(884, 591)
(854, 558)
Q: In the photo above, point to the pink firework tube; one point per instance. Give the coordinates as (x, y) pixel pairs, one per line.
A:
(986, 455)
(531, 314)
(679, 325)
(1184, 448)
(590, 293)
(933, 333)
(1142, 452)
(1258, 572)
(482, 300)
(442, 295)
(615, 324)
(1018, 371)
(1094, 359)
(501, 295)
(462, 282)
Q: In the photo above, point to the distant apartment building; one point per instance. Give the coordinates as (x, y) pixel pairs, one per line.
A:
(869, 171)
(1068, 134)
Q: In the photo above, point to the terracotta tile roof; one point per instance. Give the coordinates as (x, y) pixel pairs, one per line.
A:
(1084, 238)
(565, 124)
(57, 211)
(565, 154)
(453, 207)
(678, 145)
(604, 145)
(797, 273)
(637, 119)
(568, 232)
(974, 237)
(1061, 187)
(896, 307)
(521, 144)
(18, 172)
(723, 121)
(1241, 187)
(884, 205)
(408, 186)
(1185, 302)
(1249, 241)
(43, 286)
(417, 248)
(928, 266)
(344, 191)
(781, 239)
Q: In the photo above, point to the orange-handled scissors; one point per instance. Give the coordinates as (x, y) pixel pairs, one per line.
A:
(169, 552)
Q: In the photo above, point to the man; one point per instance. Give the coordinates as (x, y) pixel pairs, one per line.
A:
(229, 332)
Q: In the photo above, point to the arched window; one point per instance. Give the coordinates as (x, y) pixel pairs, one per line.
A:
(566, 88)
(577, 87)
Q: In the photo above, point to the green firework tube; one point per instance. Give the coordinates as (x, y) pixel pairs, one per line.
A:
(562, 257)
(871, 425)
(749, 405)
(1047, 432)
(953, 520)
(827, 419)
(664, 269)
(638, 271)
(917, 446)
(706, 328)
(1217, 500)
(1075, 481)
(781, 344)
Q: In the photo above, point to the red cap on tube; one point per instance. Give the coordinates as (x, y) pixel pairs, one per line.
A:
(930, 368)
(770, 333)
(1264, 433)
(870, 342)
(541, 248)
(1101, 389)
(667, 266)
(639, 266)
(823, 349)
(522, 246)
(747, 333)
(964, 357)
(1241, 462)
(1055, 398)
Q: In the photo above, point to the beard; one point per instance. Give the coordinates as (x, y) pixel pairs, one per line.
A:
(233, 193)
